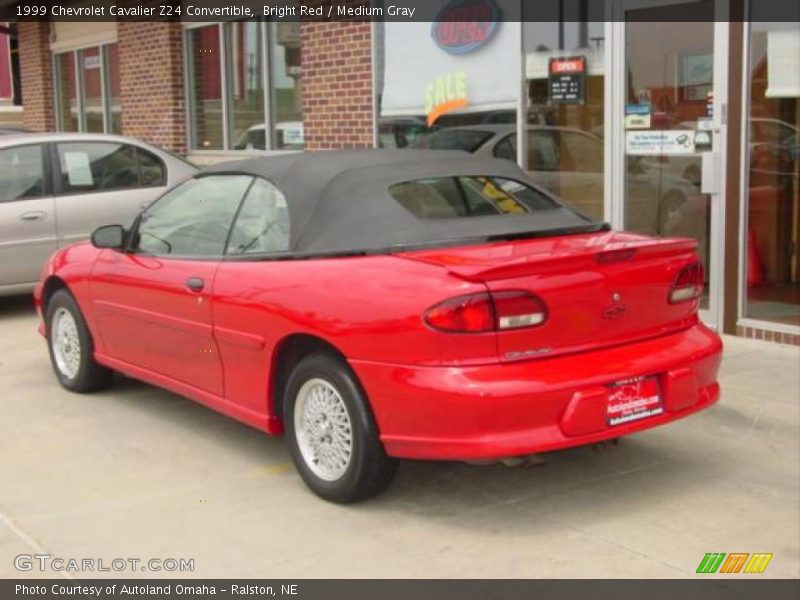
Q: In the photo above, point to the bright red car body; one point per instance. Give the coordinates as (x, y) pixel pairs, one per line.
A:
(386, 304)
(434, 395)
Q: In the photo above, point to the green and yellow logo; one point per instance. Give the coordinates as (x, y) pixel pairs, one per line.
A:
(735, 562)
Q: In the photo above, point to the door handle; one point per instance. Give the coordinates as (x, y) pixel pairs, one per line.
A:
(195, 284)
(36, 215)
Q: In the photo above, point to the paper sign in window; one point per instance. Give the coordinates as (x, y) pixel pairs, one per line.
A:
(79, 171)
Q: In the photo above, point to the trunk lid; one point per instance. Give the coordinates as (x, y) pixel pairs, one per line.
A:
(600, 289)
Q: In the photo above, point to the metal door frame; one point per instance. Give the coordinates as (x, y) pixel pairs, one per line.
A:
(615, 97)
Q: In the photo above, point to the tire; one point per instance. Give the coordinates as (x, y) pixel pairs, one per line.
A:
(323, 403)
(71, 347)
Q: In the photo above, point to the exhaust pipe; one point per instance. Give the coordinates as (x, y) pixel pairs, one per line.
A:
(528, 460)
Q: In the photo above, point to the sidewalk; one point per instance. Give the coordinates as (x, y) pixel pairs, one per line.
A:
(138, 472)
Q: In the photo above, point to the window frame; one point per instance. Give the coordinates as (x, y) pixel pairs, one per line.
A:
(47, 174)
(745, 122)
(57, 174)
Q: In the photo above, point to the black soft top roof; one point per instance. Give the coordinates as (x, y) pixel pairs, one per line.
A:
(339, 200)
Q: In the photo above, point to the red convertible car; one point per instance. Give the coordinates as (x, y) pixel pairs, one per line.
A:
(378, 305)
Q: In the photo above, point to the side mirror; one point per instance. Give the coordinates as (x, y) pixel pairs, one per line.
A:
(109, 236)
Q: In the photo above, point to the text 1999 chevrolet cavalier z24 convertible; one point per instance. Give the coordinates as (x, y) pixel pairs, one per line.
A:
(378, 305)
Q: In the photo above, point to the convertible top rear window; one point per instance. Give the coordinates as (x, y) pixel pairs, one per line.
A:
(468, 196)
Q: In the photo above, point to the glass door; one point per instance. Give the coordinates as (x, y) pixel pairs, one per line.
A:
(669, 126)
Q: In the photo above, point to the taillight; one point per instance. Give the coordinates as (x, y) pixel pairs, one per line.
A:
(689, 284)
(515, 310)
(484, 312)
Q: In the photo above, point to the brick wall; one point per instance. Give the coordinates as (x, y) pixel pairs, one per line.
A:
(36, 69)
(337, 84)
(768, 336)
(151, 71)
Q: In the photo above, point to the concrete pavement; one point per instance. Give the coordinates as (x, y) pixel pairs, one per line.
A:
(136, 472)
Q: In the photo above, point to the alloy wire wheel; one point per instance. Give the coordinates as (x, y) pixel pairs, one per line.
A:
(324, 433)
(332, 435)
(71, 346)
(66, 343)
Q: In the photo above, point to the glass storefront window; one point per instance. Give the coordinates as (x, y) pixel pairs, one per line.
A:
(89, 99)
(113, 88)
(67, 97)
(773, 194)
(10, 93)
(205, 91)
(564, 85)
(246, 55)
(261, 77)
(92, 92)
(287, 108)
(669, 95)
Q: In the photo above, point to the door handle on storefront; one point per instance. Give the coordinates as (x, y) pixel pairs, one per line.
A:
(710, 173)
(195, 284)
(36, 215)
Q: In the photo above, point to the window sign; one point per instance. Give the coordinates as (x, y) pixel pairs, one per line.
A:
(292, 133)
(79, 171)
(637, 116)
(91, 62)
(420, 73)
(446, 94)
(783, 77)
(650, 143)
(567, 80)
(703, 141)
(696, 76)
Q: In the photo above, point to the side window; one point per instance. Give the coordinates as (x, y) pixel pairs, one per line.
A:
(151, 169)
(542, 151)
(585, 152)
(97, 166)
(21, 173)
(193, 219)
(507, 148)
(263, 222)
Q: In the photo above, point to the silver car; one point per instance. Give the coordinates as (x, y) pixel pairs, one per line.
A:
(569, 163)
(56, 188)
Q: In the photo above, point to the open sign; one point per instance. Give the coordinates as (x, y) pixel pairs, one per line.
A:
(566, 81)
(568, 65)
(462, 26)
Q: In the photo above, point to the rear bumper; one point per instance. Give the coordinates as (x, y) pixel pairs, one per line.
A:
(501, 410)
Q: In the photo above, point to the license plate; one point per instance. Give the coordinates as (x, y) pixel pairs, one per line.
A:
(633, 399)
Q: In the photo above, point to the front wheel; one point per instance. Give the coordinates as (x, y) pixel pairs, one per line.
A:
(332, 434)
(71, 346)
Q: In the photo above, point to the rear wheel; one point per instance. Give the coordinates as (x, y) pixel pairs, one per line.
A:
(332, 434)
(71, 346)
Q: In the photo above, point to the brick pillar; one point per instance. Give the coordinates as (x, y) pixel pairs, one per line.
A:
(36, 73)
(151, 75)
(337, 84)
